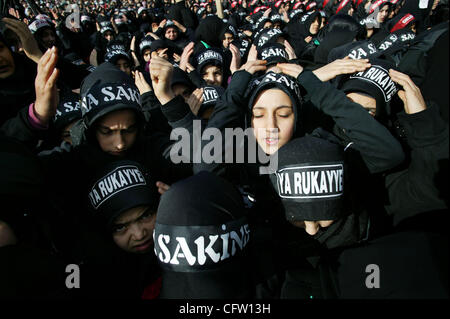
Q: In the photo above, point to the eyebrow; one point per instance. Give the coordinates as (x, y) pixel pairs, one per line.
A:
(279, 107)
(132, 221)
(108, 128)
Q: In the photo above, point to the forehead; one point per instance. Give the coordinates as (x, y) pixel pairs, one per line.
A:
(272, 98)
(212, 68)
(131, 215)
(122, 61)
(125, 117)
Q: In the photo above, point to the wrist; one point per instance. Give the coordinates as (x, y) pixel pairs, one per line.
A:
(35, 119)
(165, 97)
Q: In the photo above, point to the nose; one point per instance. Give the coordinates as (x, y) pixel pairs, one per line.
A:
(271, 124)
(138, 232)
(119, 142)
(209, 79)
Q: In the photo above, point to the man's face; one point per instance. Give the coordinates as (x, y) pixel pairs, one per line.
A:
(124, 65)
(228, 38)
(171, 34)
(116, 132)
(133, 230)
(212, 75)
(7, 66)
(367, 102)
(273, 120)
(48, 38)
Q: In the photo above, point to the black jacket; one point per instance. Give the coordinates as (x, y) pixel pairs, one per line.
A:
(421, 186)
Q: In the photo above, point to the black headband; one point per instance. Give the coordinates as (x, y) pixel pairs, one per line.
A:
(199, 248)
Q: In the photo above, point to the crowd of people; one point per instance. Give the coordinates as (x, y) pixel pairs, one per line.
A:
(102, 198)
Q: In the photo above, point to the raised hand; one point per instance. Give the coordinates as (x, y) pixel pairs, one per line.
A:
(161, 74)
(195, 101)
(411, 96)
(45, 86)
(141, 83)
(187, 52)
(254, 66)
(290, 69)
(162, 187)
(29, 43)
(341, 66)
(236, 59)
(290, 50)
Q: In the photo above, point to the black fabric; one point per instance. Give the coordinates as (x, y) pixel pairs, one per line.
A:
(17, 91)
(310, 179)
(121, 85)
(68, 110)
(273, 53)
(121, 186)
(374, 81)
(220, 203)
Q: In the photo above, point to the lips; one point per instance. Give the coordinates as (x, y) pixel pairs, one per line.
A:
(4, 68)
(144, 246)
(271, 140)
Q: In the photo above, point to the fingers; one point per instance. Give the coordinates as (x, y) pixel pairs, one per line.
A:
(162, 187)
(402, 79)
(255, 66)
(47, 63)
(290, 69)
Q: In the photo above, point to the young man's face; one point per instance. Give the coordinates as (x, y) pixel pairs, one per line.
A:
(212, 75)
(367, 102)
(133, 230)
(273, 120)
(116, 132)
(7, 66)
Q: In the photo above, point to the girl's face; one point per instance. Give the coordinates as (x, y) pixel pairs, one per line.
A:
(273, 120)
(314, 27)
(212, 75)
(147, 55)
(383, 14)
